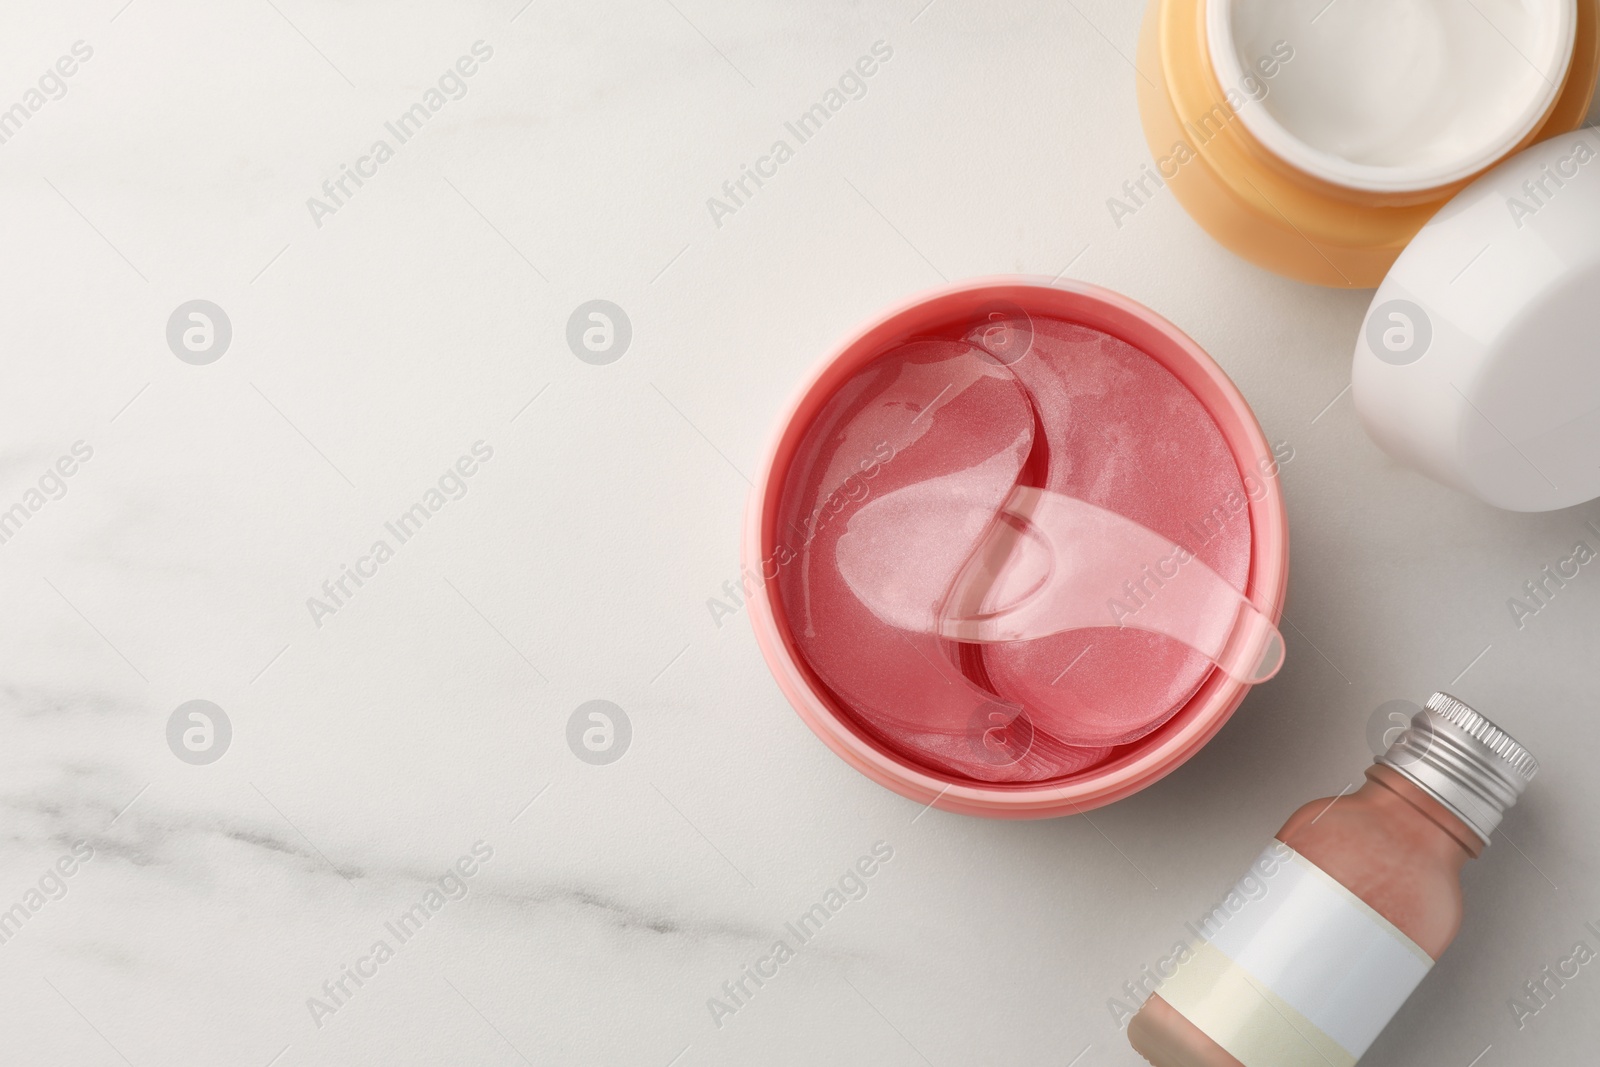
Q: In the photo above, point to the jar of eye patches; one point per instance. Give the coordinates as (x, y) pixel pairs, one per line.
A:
(1018, 549)
(1343, 914)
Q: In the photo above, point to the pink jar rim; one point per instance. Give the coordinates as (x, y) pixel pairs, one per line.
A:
(1147, 760)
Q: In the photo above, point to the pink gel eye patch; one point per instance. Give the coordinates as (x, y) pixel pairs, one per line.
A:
(926, 414)
(986, 553)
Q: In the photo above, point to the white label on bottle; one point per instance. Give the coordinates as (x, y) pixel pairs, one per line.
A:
(1295, 969)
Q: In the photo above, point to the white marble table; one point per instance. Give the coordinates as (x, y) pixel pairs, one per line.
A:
(380, 738)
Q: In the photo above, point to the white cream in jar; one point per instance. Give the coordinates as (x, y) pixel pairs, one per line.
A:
(1394, 95)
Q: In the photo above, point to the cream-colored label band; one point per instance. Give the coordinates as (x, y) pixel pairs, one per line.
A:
(1295, 970)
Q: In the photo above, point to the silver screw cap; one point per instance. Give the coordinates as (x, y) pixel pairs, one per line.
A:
(1463, 761)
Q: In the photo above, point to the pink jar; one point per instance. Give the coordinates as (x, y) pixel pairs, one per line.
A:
(1258, 571)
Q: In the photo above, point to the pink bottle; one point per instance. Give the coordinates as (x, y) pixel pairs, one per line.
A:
(1344, 913)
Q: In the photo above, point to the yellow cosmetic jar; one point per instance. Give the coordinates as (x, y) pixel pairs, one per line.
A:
(1267, 210)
